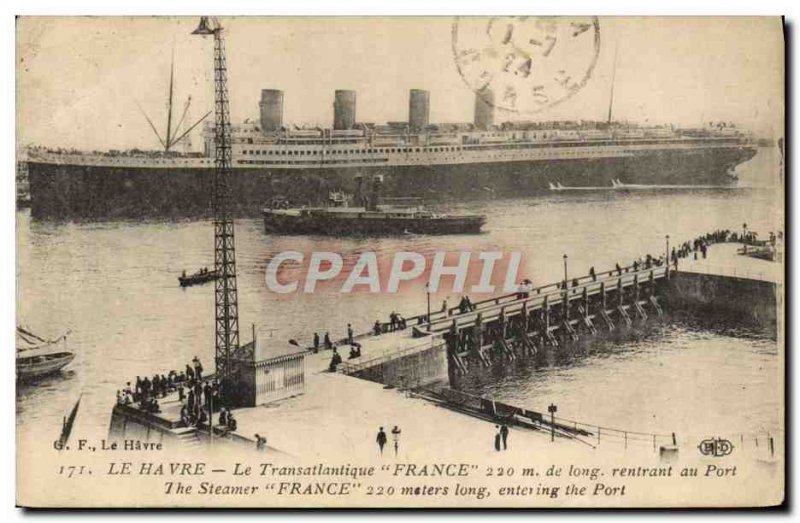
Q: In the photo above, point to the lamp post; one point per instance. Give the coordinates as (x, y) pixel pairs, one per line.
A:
(552, 410)
(428, 293)
(565, 272)
(744, 231)
(668, 258)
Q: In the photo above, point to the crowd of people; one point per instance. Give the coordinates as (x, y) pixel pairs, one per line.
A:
(147, 391)
(199, 397)
(699, 246)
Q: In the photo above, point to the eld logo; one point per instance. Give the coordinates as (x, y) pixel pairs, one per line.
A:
(716, 447)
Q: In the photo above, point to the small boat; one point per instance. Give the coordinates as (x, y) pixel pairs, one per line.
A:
(200, 277)
(37, 357)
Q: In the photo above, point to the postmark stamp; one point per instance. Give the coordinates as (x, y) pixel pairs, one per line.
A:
(525, 64)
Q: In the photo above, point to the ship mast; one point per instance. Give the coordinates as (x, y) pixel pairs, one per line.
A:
(225, 295)
(613, 79)
(169, 110)
(170, 140)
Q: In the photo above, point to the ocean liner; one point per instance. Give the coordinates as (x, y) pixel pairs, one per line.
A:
(415, 158)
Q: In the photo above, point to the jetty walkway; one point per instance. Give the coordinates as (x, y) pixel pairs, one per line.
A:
(404, 371)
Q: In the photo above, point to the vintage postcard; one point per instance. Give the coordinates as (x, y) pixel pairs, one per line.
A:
(491, 262)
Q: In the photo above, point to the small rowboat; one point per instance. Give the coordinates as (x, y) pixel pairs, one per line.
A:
(200, 277)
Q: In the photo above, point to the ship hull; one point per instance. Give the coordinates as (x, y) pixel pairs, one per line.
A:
(280, 223)
(92, 191)
(32, 368)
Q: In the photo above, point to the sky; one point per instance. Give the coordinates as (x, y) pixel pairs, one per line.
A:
(80, 81)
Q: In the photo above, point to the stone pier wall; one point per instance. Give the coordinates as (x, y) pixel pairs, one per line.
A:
(413, 370)
(753, 301)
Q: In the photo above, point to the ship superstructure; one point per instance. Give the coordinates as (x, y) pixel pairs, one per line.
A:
(416, 158)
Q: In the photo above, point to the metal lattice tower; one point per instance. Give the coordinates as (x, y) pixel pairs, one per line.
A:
(225, 295)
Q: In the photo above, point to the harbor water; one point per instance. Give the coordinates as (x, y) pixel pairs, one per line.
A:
(114, 286)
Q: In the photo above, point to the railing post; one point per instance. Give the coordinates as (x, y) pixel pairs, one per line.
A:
(478, 334)
(603, 294)
(525, 317)
(546, 314)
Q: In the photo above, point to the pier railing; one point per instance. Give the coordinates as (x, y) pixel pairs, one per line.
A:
(535, 295)
(590, 433)
(490, 309)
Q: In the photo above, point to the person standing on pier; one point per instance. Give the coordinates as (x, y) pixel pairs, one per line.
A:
(336, 359)
(198, 368)
(592, 273)
(497, 438)
(504, 435)
(396, 439)
(349, 334)
(146, 387)
(207, 397)
(316, 343)
(327, 341)
(381, 439)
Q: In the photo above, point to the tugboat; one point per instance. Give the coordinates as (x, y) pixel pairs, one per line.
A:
(339, 218)
(37, 357)
(200, 277)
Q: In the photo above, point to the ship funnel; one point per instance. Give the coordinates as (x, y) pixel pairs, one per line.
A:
(271, 106)
(484, 109)
(344, 110)
(418, 109)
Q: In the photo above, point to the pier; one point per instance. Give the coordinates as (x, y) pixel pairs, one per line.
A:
(508, 326)
(406, 367)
